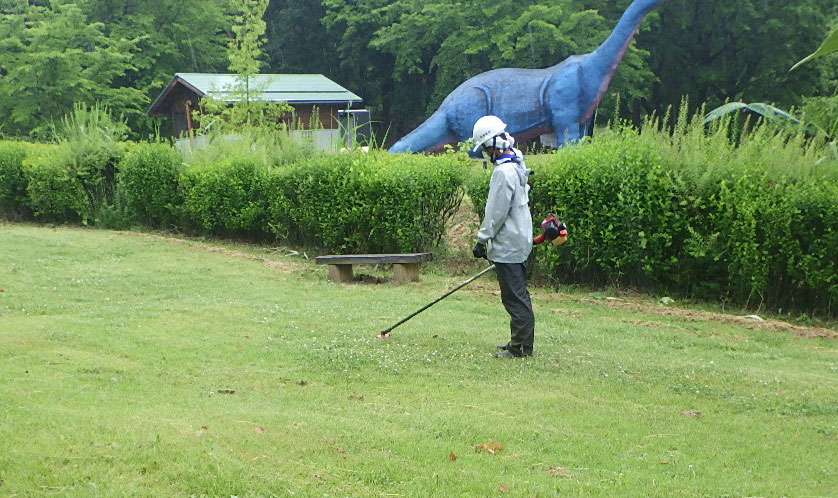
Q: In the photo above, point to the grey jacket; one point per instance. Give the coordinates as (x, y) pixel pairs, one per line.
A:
(507, 223)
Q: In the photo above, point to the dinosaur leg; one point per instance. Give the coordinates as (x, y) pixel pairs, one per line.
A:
(588, 128)
(431, 135)
(567, 130)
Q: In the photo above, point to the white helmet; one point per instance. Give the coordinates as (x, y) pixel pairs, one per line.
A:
(490, 131)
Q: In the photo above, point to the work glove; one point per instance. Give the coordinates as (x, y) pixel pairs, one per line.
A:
(479, 250)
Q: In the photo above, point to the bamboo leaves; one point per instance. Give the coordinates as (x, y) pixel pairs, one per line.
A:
(828, 46)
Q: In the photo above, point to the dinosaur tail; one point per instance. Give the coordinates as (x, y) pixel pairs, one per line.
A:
(605, 59)
(430, 136)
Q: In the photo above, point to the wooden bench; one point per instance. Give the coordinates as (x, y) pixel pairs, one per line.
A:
(405, 266)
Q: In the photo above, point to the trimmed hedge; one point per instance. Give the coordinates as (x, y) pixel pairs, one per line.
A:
(148, 184)
(54, 192)
(349, 202)
(13, 182)
(639, 216)
(227, 198)
(376, 202)
(68, 182)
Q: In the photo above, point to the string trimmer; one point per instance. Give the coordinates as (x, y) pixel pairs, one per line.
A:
(552, 230)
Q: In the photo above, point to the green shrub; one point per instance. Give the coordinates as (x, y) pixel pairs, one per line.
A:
(75, 180)
(54, 193)
(318, 202)
(147, 184)
(83, 178)
(811, 248)
(93, 147)
(690, 212)
(346, 202)
(375, 202)
(411, 199)
(94, 168)
(13, 199)
(617, 199)
(227, 198)
(777, 241)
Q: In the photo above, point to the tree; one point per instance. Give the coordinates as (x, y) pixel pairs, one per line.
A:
(715, 50)
(364, 70)
(172, 36)
(51, 58)
(244, 51)
(297, 41)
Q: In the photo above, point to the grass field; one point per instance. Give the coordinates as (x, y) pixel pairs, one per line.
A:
(133, 365)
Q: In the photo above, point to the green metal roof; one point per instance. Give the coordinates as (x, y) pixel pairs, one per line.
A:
(288, 87)
(291, 88)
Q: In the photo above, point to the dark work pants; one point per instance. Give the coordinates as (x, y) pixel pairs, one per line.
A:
(512, 278)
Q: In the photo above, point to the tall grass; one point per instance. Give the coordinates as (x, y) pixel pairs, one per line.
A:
(736, 142)
(90, 125)
(266, 146)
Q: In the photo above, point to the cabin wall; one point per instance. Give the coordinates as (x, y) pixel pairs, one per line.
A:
(182, 102)
(308, 116)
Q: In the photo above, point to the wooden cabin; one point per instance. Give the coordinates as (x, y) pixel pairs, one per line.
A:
(317, 101)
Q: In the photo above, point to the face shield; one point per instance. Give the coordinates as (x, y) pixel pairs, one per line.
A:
(499, 143)
(489, 149)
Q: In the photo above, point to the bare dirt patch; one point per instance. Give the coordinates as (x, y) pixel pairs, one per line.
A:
(459, 239)
(461, 228)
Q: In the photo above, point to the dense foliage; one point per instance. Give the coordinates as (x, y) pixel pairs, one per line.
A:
(350, 202)
(54, 192)
(693, 213)
(342, 202)
(75, 178)
(226, 198)
(401, 56)
(716, 50)
(356, 202)
(12, 180)
(52, 57)
(149, 185)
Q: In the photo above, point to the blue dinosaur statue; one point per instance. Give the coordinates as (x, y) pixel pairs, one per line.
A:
(560, 99)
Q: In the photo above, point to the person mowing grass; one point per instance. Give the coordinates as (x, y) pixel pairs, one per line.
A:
(505, 236)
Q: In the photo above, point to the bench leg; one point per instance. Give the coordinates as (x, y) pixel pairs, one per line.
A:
(340, 273)
(405, 273)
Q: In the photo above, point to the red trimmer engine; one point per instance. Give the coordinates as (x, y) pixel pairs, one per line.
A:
(552, 230)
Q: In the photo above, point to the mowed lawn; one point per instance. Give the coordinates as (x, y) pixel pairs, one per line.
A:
(133, 365)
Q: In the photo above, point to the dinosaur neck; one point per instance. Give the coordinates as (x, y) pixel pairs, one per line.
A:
(603, 61)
